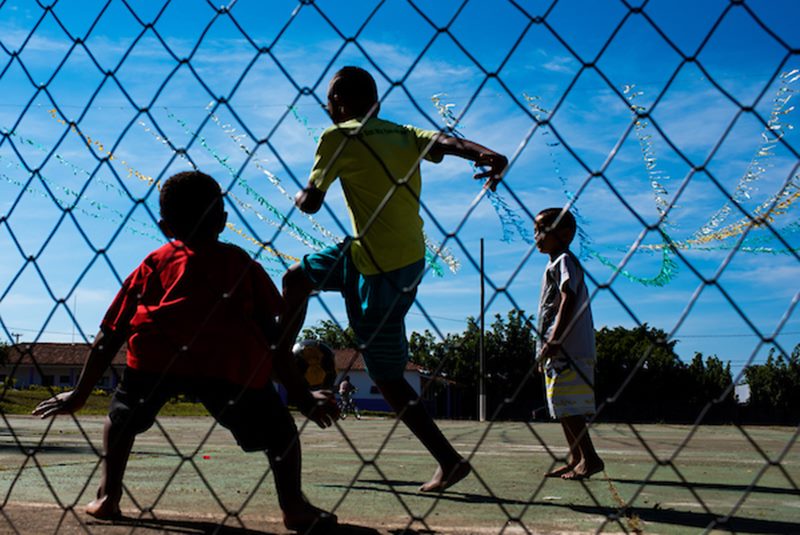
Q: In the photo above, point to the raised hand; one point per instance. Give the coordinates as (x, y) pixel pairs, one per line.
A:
(492, 165)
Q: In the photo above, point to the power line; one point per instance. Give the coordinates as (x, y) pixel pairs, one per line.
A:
(736, 335)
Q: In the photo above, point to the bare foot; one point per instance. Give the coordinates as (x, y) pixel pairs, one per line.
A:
(103, 509)
(309, 519)
(584, 470)
(455, 474)
(558, 472)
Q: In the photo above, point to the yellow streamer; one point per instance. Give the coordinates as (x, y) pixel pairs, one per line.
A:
(101, 148)
(261, 244)
(758, 220)
(141, 176)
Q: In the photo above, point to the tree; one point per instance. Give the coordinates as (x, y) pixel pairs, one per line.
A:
(628, 360)
(514, 384)
(711, 385)
(639, 377)
(775, 388)
(331, 333)
(511, 385)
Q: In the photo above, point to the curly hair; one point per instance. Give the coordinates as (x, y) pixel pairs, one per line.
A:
(191, 206)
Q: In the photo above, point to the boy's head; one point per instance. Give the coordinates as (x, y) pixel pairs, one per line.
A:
(191, 207)
(352, 93)
(555, 229)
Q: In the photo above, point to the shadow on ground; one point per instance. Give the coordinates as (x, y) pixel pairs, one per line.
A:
(203, 527)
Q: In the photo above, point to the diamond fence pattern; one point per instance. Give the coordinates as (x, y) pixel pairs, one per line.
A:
(28, 164)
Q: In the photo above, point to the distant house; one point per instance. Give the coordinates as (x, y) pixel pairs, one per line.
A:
(368, 397)
(54, 364)
(60, 364)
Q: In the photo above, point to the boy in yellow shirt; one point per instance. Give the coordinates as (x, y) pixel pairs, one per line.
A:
(378, 270)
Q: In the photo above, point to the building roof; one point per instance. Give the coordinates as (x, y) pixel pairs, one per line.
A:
(351, 359)
(55, 354)
(66, 354)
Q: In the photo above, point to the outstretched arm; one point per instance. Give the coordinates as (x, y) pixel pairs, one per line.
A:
(105, 346)
(495, 163)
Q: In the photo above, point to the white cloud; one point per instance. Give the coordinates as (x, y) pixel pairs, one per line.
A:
(560, 64)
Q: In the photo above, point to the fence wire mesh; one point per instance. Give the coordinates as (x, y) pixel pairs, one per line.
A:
(103, 101)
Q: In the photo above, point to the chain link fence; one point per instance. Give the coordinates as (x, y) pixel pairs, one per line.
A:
(105, 100)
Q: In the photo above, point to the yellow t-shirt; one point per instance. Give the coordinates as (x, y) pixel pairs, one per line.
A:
(378, 166)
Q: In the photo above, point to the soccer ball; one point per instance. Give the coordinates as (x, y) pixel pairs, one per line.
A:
(316, 363)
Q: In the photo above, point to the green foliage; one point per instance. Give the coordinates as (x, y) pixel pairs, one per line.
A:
(511, 384)
(640, 377)
(638, 373)
(775, 388)
(331, 333)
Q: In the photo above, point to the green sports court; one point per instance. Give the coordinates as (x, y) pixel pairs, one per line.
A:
(184, 476)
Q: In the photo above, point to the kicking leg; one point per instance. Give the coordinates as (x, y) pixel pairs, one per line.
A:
(296, 289)
(405, 402)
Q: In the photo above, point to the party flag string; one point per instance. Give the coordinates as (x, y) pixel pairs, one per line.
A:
(77, 170)
(584, 240)
(513, 225)
(132, 172)
(238, 140)
(765, 213)
(292, 228)
(260, 244)
(312, 132)
(773, 133)
(668, 267)
(649, 156)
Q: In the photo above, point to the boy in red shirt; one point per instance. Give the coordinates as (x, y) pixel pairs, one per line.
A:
(200, 318)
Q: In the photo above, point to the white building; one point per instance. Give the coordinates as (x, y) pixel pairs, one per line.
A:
(368, 397)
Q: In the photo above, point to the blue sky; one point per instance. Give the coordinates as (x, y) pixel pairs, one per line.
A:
(262, 56)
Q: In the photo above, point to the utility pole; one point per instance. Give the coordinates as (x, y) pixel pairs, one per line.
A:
(481, 355)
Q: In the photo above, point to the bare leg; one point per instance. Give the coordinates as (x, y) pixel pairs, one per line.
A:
(296, 289)
(298, 513)
(452, 466)
(117, 444)
(574, 453)
(589, 463)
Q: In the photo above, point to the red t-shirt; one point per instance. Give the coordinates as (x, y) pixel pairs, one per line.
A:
(201, 312)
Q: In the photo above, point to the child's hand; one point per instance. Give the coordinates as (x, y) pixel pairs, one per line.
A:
(549, 350)
(321, 408)
(63, 403)
(496, 163)
(540, 360)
